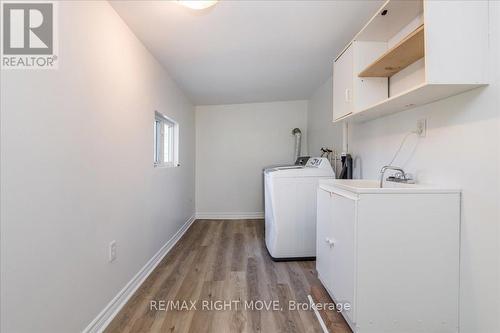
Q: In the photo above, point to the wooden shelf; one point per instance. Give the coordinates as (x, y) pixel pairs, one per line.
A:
(403, 54)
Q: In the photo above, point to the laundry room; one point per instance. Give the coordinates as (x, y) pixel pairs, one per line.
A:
(263, 166)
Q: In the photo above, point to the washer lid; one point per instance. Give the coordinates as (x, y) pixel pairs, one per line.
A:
(302, 172)
(288, 167)
(315, 167)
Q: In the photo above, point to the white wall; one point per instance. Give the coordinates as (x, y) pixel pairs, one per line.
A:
(462, 148)
(233, 144)
(77, 172)
(321, 131)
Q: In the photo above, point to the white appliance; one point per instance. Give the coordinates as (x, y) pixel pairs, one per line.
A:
(290, 208)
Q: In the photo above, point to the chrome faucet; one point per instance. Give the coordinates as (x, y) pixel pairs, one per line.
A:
(400, 177)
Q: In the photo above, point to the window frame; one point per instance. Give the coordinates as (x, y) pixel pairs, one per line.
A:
(160, 122)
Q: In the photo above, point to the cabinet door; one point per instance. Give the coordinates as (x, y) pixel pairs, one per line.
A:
(343, 84)
(323, 237)
(343, 251)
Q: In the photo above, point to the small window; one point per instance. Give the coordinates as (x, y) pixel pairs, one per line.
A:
(166, 141)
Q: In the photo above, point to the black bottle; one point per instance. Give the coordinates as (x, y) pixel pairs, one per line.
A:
(346, 172)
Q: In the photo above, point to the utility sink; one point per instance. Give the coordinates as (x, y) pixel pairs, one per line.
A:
(373, 186)
(399, 244)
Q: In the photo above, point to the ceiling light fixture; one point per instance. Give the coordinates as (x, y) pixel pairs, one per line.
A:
(197, 4)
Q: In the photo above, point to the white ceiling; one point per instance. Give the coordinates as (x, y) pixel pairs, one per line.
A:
(247, 51)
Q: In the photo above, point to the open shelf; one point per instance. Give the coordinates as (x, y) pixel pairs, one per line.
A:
(400, 56)
(421, 94)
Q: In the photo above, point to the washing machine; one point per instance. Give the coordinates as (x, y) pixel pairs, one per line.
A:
(290, 208)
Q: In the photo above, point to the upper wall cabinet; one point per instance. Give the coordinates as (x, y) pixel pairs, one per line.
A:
(411, 53)
(342, 81)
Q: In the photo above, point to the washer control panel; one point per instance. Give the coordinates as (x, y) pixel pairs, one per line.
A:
(316, 162)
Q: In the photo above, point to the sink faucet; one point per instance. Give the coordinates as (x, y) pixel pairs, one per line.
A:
(401, 176)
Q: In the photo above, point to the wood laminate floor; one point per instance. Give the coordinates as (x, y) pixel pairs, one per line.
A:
(225, 261)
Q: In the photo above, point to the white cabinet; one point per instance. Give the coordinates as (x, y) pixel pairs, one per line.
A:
(343, 252)
(335, 253)
(391, 253)
(343, 84)
(324, 238)
(411, 53)
(351, 93)
(335, 244)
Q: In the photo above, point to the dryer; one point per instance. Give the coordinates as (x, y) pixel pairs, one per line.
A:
(290, 208)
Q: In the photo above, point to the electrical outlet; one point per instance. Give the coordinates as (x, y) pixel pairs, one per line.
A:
(112, 251)
(422, 127)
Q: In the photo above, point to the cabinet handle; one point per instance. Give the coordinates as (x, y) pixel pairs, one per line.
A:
(330, 242)
(347, 95)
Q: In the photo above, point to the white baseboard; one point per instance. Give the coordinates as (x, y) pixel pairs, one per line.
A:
(111, 310)
(230, 216)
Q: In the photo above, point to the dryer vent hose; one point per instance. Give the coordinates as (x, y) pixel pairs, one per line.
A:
(298, 142)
